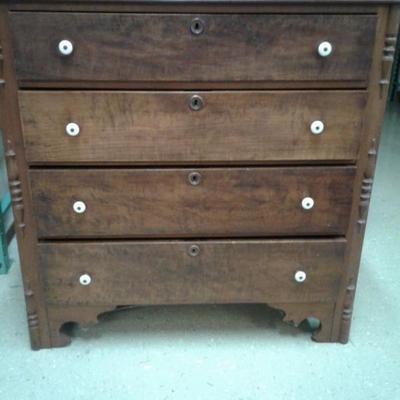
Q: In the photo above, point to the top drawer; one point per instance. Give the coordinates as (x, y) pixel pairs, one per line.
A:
(192, 48)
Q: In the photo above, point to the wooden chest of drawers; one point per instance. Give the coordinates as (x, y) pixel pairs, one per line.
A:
(192, 152)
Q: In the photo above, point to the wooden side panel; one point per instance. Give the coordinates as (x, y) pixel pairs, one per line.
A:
(159, 127)
(19, 189)
(385, 44)
(163, 202)
(167, 272)
(155, 47)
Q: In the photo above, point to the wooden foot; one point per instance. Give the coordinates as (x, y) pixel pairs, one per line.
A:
(58, 317)
(58, 338)
(294, 313)
(297, 313)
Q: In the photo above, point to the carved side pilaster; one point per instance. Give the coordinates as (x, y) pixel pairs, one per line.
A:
(365, 197)
(14, 182)
(11, 161)
(17, 199)
(347, 311)
(388, 52)
(366, 185)
(374, 117)
(33, 318)
(2, 81)
(378, 89)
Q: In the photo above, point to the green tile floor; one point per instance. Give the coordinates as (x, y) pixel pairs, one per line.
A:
(226, 352)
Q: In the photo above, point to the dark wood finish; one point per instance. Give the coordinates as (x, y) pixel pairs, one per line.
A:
(165, 272)
(159, 127)
(162, 203)
(296, 313)
(385, 43)
(19, 190)
(87, 316)
(365, 31)
(160, 47)
(59, 316)
(213, 3)
(179, 86)
(206, 7)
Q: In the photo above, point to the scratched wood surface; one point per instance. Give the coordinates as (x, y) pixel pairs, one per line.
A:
(165, 272)
(163, 203)
(159, 127)
(161, 47)
(244, 216)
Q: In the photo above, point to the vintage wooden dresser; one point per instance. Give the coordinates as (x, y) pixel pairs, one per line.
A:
(192, 152)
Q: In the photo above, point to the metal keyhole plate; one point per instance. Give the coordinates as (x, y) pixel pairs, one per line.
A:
(196, 103)
(197, 26)
(194, 250)
(194, 178)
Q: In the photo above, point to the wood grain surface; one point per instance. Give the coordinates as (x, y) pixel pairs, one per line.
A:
(159, 127)
(144, 217)
(164, 272)
(163, 203)
(161, 47)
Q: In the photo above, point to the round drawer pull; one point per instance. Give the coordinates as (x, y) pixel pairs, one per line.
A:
(197, 26)
(307, 203)
(85, 279)
(65, 47)
(317, 127)
(324, 49)
(79, 207)
(194, 250)
(72, 129)
(196, 103)
(194, 178)
(300, 276)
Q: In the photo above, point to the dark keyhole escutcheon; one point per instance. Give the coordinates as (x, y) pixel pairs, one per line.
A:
(194, 178)
(196, 103)
(197, 26)
(194, 250)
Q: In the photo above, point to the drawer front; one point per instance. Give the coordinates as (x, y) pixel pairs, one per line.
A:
(204, 202)
(163, 47)
(169, 272)
(162, 127)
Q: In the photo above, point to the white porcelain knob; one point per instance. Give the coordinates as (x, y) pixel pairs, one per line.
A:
(65, 47)
(324, 49)
(307, 203)
(317, 127)
(300, 276)
(72, 129)
(79, 207)
(85, 280)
